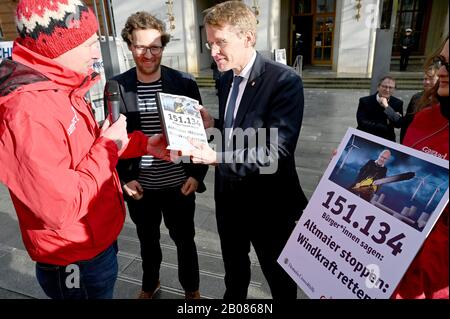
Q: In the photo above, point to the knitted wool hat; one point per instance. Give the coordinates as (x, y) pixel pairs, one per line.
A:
(53, 27)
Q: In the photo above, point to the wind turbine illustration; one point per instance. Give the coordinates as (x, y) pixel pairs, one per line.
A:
(350, 149)
(437, 190)
(422, 182)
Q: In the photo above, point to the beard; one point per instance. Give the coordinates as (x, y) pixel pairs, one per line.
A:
(148, 70)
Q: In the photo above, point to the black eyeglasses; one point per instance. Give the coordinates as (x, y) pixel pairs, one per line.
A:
(440, 61)
(142, 49)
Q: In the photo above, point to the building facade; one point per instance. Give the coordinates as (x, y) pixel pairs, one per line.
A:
(338, 34)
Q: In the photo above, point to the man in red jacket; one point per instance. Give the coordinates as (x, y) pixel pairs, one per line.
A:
(58, 165)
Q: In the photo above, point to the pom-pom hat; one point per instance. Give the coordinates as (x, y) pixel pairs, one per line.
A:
(51, 28)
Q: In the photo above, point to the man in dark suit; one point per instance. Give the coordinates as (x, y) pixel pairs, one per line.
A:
(380, 113)
(154, 188)
(257, 192)
(406, 46)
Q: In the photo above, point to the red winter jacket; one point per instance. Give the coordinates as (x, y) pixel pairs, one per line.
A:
(427, 276)
(60, 173)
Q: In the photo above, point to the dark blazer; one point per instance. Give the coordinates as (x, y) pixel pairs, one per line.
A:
(273, 98)
(173, 82)
(409, 113)
(375, 119)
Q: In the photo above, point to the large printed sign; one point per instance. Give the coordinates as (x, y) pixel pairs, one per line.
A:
(181, 121)
(371, 212)
(6, 49)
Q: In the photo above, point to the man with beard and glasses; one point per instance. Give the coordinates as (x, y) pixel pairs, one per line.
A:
(154, 188)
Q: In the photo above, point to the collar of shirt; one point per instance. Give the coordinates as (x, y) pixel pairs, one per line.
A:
(245, 73)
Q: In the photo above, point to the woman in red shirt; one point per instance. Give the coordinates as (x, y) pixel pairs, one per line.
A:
(427, 276)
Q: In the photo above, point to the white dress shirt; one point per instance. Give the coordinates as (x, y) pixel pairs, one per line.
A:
(246, 75)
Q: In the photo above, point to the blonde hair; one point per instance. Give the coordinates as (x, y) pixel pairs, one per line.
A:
(234, 13)
(430, 97)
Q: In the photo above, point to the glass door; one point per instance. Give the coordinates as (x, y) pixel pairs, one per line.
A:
(414, 14)
(322, 50)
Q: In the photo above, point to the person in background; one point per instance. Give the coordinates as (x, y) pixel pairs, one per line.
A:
(298, 46)
(253, 206)
(58, 165)
(155, 188)
(406, 46)
(380, 113)
(427, 276)
(421, 99)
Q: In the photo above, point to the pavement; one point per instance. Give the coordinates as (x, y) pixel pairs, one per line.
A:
(327, 115)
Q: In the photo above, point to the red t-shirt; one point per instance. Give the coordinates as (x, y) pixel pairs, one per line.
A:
(427, 276)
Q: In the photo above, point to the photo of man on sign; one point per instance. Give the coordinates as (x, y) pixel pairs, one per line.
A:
(401, 185)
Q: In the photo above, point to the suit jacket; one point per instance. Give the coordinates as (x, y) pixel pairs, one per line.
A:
(409, 113)
(273, 98)
(375, 119)
(173, 82)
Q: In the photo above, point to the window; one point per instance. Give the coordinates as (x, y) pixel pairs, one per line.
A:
(324, 6)
(386, 14)
(302, 7)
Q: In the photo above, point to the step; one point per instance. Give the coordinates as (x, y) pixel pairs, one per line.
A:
(415, 63)
(210, 265)
(421, 58)
(412, 82)
(363, 87)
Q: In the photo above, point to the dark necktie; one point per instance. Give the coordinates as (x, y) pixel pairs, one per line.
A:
(232, 103)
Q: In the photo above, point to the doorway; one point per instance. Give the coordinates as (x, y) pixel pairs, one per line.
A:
(414, 14)
(314, 21)
(302, 38)
(323, 39)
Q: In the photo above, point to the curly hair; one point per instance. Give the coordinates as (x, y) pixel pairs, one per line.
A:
(143, 20)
